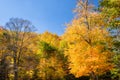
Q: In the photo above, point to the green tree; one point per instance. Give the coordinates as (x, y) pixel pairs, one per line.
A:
(110, 9)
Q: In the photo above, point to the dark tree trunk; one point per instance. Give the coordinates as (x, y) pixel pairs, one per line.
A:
(3, 70)
(15, 69)
(93, 76)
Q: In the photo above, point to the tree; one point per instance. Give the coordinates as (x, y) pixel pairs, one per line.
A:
(50, 38)
(51, 66)
(110, 9)
(19, 35)
(88, 42)
(4, 63)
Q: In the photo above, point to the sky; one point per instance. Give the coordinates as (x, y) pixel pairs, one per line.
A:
(45, 15)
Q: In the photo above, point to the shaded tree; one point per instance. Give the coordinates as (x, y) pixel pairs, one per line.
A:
(110, 10)
(19, 32)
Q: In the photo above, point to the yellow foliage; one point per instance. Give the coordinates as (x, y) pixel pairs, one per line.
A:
(88, 43)
(50, 38)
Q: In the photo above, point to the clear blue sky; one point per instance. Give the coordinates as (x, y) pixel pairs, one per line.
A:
(45, 15)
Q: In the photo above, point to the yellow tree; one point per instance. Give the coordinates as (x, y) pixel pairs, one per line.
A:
(4, 63)
(87, 42)
(18, 33)
(51, 59)
(50, 38)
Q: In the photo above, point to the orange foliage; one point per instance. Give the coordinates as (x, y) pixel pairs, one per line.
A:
(88, 43)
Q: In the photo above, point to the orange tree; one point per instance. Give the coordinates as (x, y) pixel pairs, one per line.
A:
(87, 42)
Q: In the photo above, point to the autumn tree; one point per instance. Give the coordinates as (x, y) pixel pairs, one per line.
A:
(4, 63)
(110, 10)
(88, 42)
(18, 32)
(52, 60)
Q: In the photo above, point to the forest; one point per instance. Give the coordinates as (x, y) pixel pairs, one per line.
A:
(89, 48)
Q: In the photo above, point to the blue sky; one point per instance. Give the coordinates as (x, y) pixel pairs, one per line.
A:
(45, 15)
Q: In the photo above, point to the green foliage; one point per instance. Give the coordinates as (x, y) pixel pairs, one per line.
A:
(45, 47)
(110, 9)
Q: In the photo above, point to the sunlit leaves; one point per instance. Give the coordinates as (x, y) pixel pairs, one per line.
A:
(88, 43)
(51, 58)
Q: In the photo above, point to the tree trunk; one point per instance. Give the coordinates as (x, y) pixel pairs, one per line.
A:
(15, 75)
(93, 76)
(15, 69)
(2, 70)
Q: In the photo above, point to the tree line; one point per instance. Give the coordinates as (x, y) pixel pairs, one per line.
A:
(89, 49)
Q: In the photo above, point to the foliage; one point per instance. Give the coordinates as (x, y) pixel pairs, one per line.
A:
(88, 49)
(110, 9)
(88, 43)
(51, 59)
